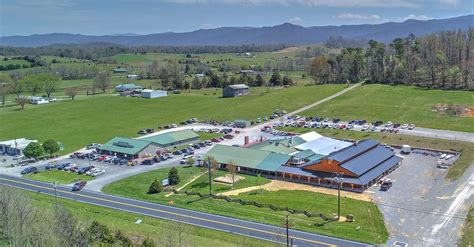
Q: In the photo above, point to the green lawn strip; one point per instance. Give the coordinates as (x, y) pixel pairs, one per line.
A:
(61, 177)
(454, 172)
(467, 237)
(372, 229)
(150, 227)
(402, 104)
(98, 119)
(203, 136)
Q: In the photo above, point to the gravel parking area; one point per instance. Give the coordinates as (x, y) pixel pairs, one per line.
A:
(421, 208)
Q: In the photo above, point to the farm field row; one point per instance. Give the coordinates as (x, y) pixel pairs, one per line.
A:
(366, 214)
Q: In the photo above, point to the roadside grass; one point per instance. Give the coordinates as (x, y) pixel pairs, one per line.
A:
(154, 228)
(467, 235)
(60, 177)
(98, 119)
(454, 172)
(368, 226)
(402, 104)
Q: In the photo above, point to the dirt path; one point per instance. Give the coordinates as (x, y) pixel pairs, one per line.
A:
(186, 184)
(276, 185)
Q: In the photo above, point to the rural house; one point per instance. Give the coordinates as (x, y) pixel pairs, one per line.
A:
(236, 90)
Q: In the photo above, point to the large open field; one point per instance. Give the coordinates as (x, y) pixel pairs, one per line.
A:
(367, 215)
(97, 119)
(398, 104)
(150, 227)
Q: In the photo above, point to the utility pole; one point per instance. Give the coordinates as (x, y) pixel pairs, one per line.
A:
(56, 194)
(339, 182)
(288, 225)
(210, 176)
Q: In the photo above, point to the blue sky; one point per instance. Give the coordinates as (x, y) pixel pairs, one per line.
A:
(24, 17)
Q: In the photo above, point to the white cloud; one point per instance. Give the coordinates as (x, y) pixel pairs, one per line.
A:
(361, 18)
(295, 20)
(414, 17)
(311, 3)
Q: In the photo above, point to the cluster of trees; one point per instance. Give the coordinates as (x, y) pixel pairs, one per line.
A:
(173, 179)
(33, 62)
(337, 42)
(439, 60)
(96, 50)
(23, 224)
(35, 150)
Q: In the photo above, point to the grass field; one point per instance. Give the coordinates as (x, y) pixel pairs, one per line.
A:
(203, 136)
(150, 227)
(467, 238)
(98, 119)
(367, 215)
(454, 172)
(60, 177)
(398, 104)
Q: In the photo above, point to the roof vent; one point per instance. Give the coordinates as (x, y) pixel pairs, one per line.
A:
(123, 144)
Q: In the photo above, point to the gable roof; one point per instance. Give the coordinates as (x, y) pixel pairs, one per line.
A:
(125, 145)
(239, 86)
(172, 137)
(310, 136)
(368, 160)
(324, 145)
(247, 157)
(128, 85)
(354, 150)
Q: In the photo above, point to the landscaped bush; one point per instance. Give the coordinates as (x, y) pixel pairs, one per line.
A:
(155, 187)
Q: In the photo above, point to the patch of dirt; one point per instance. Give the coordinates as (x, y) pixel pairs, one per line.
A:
(288, 49)
(454, 110)
(227, 179)
(276, 185)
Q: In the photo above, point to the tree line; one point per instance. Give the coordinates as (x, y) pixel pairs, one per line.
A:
(96, 50)
(440, 60)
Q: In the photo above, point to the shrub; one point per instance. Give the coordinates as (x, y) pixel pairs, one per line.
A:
(33, 150)
(173, 176)
(155, 187)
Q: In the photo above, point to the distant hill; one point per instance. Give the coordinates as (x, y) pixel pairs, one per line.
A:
(286, 33)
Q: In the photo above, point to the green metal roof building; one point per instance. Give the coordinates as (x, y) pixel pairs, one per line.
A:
(284, 146)
(249, 159)
(174, 138)
(127, 147)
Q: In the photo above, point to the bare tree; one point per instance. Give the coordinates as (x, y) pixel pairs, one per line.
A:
(169, 234)
(50, 84)
(17, 87)
(232, 168)
(71, 92)
(22, 101)
(102, 81)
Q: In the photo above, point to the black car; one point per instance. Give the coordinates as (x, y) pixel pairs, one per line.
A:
(79, 186)
(147, 162)
(386, 185)
(178, 152)
(336, 120)
(377, 123)
(29, 170)
(50, 166)
(196, 146)
(61, 166)
(83, 170)
(150, 130)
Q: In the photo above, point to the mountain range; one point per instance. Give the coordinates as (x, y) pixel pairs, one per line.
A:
(286, 33)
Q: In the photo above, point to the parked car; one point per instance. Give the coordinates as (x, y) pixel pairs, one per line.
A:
(147, 162)
(228, 136)
(404, 126)
(74, 169)
(411, 126)
(93, 170)
(96, 174)
(386, 185)
(84, 170)
(29, 170)
(178, 152)
(142, 132)
(150, 130)
(79, 185)
(50, 166)
(62, 166)
(93, 146)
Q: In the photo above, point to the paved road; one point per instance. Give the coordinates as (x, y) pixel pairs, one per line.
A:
(220, 223)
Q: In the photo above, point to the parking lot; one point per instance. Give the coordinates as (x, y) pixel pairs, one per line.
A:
(422, 207)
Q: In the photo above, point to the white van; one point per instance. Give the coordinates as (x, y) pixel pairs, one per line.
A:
(406, 149)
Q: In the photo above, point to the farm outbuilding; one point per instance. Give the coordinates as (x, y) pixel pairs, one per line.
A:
(15, 146)
(151, 94)
(235, 90)
(127, 87)
(120, 70)
(242, 123)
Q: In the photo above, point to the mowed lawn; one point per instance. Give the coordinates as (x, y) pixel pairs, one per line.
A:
(60, 177)
(368, 226)
(99, 118)
(398, 104)
(157, 229)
